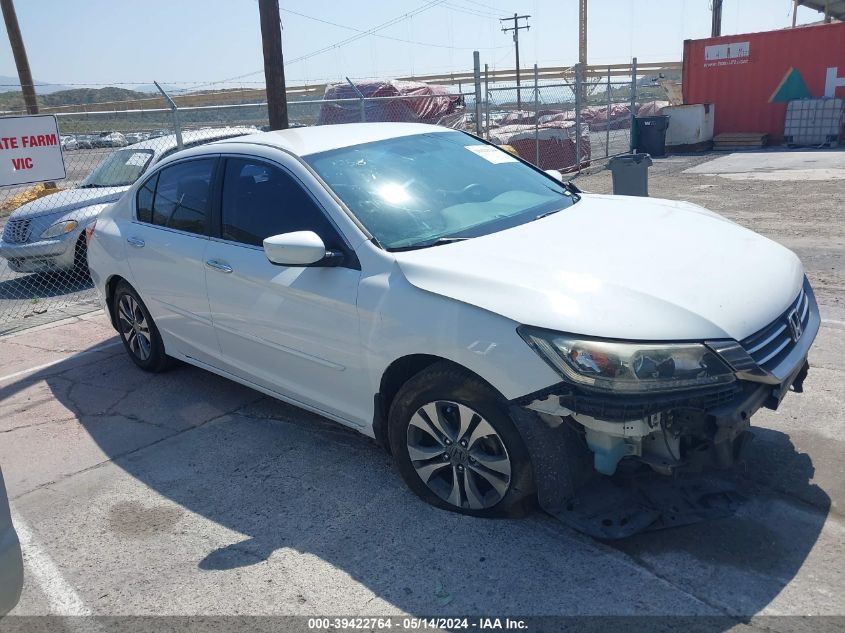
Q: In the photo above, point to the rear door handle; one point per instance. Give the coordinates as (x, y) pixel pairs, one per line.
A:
(136, 242)
(216, 265)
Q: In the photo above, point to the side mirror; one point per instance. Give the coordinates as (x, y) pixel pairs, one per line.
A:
(554, 173)
(300, 248)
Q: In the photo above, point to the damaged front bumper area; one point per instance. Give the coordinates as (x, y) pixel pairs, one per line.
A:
(687, 432)
(601, 465)
(601, 458)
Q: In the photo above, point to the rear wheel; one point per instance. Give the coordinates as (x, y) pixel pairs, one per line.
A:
(456, 447)
(137, 330)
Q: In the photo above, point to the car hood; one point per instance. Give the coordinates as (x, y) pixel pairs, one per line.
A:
(66, 201)
(619, 267)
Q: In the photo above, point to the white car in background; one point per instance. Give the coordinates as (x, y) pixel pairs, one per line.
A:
(476, 315)
(69, 143)
(47, 234)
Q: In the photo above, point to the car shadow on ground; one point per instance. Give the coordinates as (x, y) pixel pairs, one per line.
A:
(286, 478)
(44, 285)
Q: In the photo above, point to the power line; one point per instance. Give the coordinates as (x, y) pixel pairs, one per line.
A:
(481, 4)
(370, 31)
(361, 34)
(469, 11)
(387, 37)
(349, 40)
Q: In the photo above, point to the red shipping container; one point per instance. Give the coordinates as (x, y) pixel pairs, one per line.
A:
(751, 77)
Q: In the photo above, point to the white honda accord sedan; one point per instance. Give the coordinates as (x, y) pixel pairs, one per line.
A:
(484, 321)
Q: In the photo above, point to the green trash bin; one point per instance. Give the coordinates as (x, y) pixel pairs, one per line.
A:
(630, 174)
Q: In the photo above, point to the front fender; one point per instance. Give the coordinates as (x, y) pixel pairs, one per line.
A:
(398, 319)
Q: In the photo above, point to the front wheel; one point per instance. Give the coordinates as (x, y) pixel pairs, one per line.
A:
(456, 447)
(80, 259)
(137, 330)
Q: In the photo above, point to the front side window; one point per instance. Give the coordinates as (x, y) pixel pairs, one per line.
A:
(260, 200)
(145, 199)
(178, 196)
(120, 169)
(414, 190)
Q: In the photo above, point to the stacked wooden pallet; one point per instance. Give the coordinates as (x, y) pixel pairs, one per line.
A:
(730, 141)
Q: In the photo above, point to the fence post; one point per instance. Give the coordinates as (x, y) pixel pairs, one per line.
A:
(607, 129)
(476, 75)
(174, 113)
(536, 117)
(361, 97)
(633, 104)
(579, 87)
(486, 103)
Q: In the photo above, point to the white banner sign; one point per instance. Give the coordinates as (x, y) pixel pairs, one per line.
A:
(30, 150)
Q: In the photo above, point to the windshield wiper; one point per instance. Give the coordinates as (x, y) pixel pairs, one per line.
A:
(91, 186)
(546, 214)
(437, 242)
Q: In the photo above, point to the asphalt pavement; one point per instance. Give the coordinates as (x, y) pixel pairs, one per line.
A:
(186, 494)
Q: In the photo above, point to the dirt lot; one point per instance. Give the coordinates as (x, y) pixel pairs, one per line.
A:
(186, 494)
(796, 198)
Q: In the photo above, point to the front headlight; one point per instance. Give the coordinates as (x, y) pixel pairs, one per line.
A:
(59, 228)
(628, 367)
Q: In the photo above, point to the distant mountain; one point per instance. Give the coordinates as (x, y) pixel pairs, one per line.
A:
(11, 84)
(76, 96)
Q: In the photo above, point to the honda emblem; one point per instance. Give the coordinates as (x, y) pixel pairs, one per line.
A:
(795, 327)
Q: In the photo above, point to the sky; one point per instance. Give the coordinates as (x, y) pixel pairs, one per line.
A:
(217, 43)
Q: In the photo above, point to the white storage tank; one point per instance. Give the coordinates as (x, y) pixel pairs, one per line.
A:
(815, 122)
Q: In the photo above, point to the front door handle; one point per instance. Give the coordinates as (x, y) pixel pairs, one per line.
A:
(216, 265)
(137, 242)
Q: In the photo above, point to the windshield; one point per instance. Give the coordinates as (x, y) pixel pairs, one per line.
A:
(420, 190)
(120, 169)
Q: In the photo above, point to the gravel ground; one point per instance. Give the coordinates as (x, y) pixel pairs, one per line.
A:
(807, 216)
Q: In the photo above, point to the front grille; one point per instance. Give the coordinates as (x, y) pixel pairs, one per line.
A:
(772, 344)
(16, 231)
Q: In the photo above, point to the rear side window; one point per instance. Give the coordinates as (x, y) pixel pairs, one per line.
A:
(260, 200)
(178, 197)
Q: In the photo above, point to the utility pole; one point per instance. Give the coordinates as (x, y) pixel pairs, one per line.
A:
(516, 29)
(274, 65)
(582, 32)
(19, 53)
(716, 25)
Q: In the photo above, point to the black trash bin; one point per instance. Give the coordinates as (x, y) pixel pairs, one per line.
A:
(651, 134)
(630, 174)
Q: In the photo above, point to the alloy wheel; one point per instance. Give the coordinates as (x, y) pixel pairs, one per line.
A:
(458, 455)
(134, 327)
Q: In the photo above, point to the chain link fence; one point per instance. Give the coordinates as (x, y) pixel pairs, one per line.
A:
(43, 266)
(565, 123)
(569, 125)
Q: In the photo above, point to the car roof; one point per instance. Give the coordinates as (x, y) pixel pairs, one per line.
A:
(303, 141)
(164, 143)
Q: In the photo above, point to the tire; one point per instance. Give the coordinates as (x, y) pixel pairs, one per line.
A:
(456, 447)
(137, 330)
